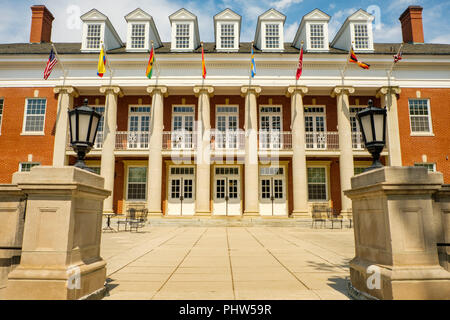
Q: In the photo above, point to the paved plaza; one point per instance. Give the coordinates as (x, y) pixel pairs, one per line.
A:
(211, 263)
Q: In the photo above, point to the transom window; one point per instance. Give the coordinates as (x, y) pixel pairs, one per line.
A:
(430, 166)
(182, 36)
(93, 36)
(140, 109)
(1, 113)
(314, 109)
(361, 36)
(270, 109)
(419, 114)
(271, 171)
(317, 36)
(317, 184)
(272, 36)
(227, 36)
(227, 109)
(138, 36)
(181, 109)
(227, 171)
(137, 183)
(35, 115)
(26, 166)
(182, 171)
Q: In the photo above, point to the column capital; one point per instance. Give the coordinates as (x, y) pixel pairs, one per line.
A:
(162, 89)
(114, 89)
(296, 89)
(385, 90)
(338, 90)
(247, 89)
(68, 89)
(209, 90)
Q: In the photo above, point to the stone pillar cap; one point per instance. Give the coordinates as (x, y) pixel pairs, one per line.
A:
(115, 89)
(69, 89)
(385, 90)
(204, 89)
(248, 89)
(338, 90)
(163, 89)
(291, 89)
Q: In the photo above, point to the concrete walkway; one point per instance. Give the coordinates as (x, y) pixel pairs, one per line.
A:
(228, 263)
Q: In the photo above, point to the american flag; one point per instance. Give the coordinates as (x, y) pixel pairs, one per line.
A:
(398, 57)
(52, 61)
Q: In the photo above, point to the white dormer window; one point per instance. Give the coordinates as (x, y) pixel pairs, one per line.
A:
(361, 36)
(138, 36)
(227, 36)
(182, 36)
(93, 38)
(317, 36)
(272, 36)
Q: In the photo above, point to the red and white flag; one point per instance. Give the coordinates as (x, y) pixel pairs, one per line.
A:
(52, 61)
(398, 56)
(300, 64)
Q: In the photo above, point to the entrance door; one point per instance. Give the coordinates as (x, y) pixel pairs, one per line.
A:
(138, 127)
(183, 127)
(315, 128)
(227, 191)
(181, 197)
(272, 192)
(271, 127)
(227, 127)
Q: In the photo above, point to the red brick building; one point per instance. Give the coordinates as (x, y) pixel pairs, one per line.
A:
(180, 146)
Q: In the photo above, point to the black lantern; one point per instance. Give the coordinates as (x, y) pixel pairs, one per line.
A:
(372, 122)
(83, 123)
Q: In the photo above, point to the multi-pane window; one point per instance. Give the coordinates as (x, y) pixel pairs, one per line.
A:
(419, 114)
(26, 166)
(227, 36)
(137, 183)
(182, 171)
(272, 36)
(359, 170)
(93, 36)
(182, 36)
(317, 36)
(227, 171)
(317, 184)
(138, 36)
(361, 36)
(430, 166)
(99, 138)
(35, 115)
(1, 113)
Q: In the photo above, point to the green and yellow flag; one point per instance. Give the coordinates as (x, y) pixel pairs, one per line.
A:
(151, 61)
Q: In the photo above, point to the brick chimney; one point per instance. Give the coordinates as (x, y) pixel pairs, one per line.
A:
(412, 27)
(41, 24)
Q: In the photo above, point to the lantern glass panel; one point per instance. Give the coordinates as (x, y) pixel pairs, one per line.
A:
(378, 119)
(367, 127)
(73, 127)
(93, 128)
(83, 128)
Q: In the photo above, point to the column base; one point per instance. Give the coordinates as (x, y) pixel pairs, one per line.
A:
(203, 213)
(401, 283)
(301, 214)
(251, 214)
(57, 284)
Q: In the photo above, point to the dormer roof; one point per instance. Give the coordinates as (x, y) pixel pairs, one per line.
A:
(358, 16)
(270, 15)
(315, 16)
(139, 15)
(185, 15)
(227, 15)
(93, 16)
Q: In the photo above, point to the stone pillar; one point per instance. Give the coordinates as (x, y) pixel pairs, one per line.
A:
(12, 217)
(61, 242)
(395, 241)
(65, 103)
(299, 173)
(251, 150)
(388, 96)
(346, 165)
(109, 142)
(203, 157)
(155, 150)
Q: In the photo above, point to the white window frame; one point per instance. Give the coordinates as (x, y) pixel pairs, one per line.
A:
(33, 133)
(146, 35)
(425, 164)
(31, 163)
(191, 36)
(280, 36)
(327, 180)
(271, 114)
(219, 35)
(128, 167)
(369, 35)
(85, 35)
(430, 121)
(1, 113)
(309, 36)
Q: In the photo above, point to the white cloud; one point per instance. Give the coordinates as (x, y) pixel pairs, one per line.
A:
(289, 32)
(283, 4)
(388, 33)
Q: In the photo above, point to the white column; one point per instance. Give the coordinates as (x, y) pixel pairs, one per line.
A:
(65, 103)
(346, 165)
(388, 96)
(203, 158)
(251, 150)
(155, 150)
(299, 173)
(109, 142)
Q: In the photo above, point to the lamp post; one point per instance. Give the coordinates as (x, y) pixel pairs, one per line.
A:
(372, 122)
(83, 123)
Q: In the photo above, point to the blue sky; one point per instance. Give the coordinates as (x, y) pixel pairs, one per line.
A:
(15, 22)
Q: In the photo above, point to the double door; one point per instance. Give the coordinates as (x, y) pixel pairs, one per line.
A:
(183, 127)
(181, 197)
(227, 131)
(315, 129)
(270, 132)
(138, 133)
(272, 192)
(227, 191)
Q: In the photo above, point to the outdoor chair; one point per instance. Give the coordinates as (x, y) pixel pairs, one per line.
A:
(131, 217)
(319, 214)
(140, 221)
(334, 217)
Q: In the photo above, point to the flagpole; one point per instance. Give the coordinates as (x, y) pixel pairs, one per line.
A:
(301, 48)
(60, 61)
(249, 85)
(346, 63)
(108, 65)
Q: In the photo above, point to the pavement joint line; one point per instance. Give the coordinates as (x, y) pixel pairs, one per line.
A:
(313, 253)
(178, 266)
(147, 252)
(231, 266)
(288, 270)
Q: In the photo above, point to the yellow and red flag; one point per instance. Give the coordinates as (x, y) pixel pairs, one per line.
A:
(151, 61)
(101, 68)
(354, 59)
(203, 64)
